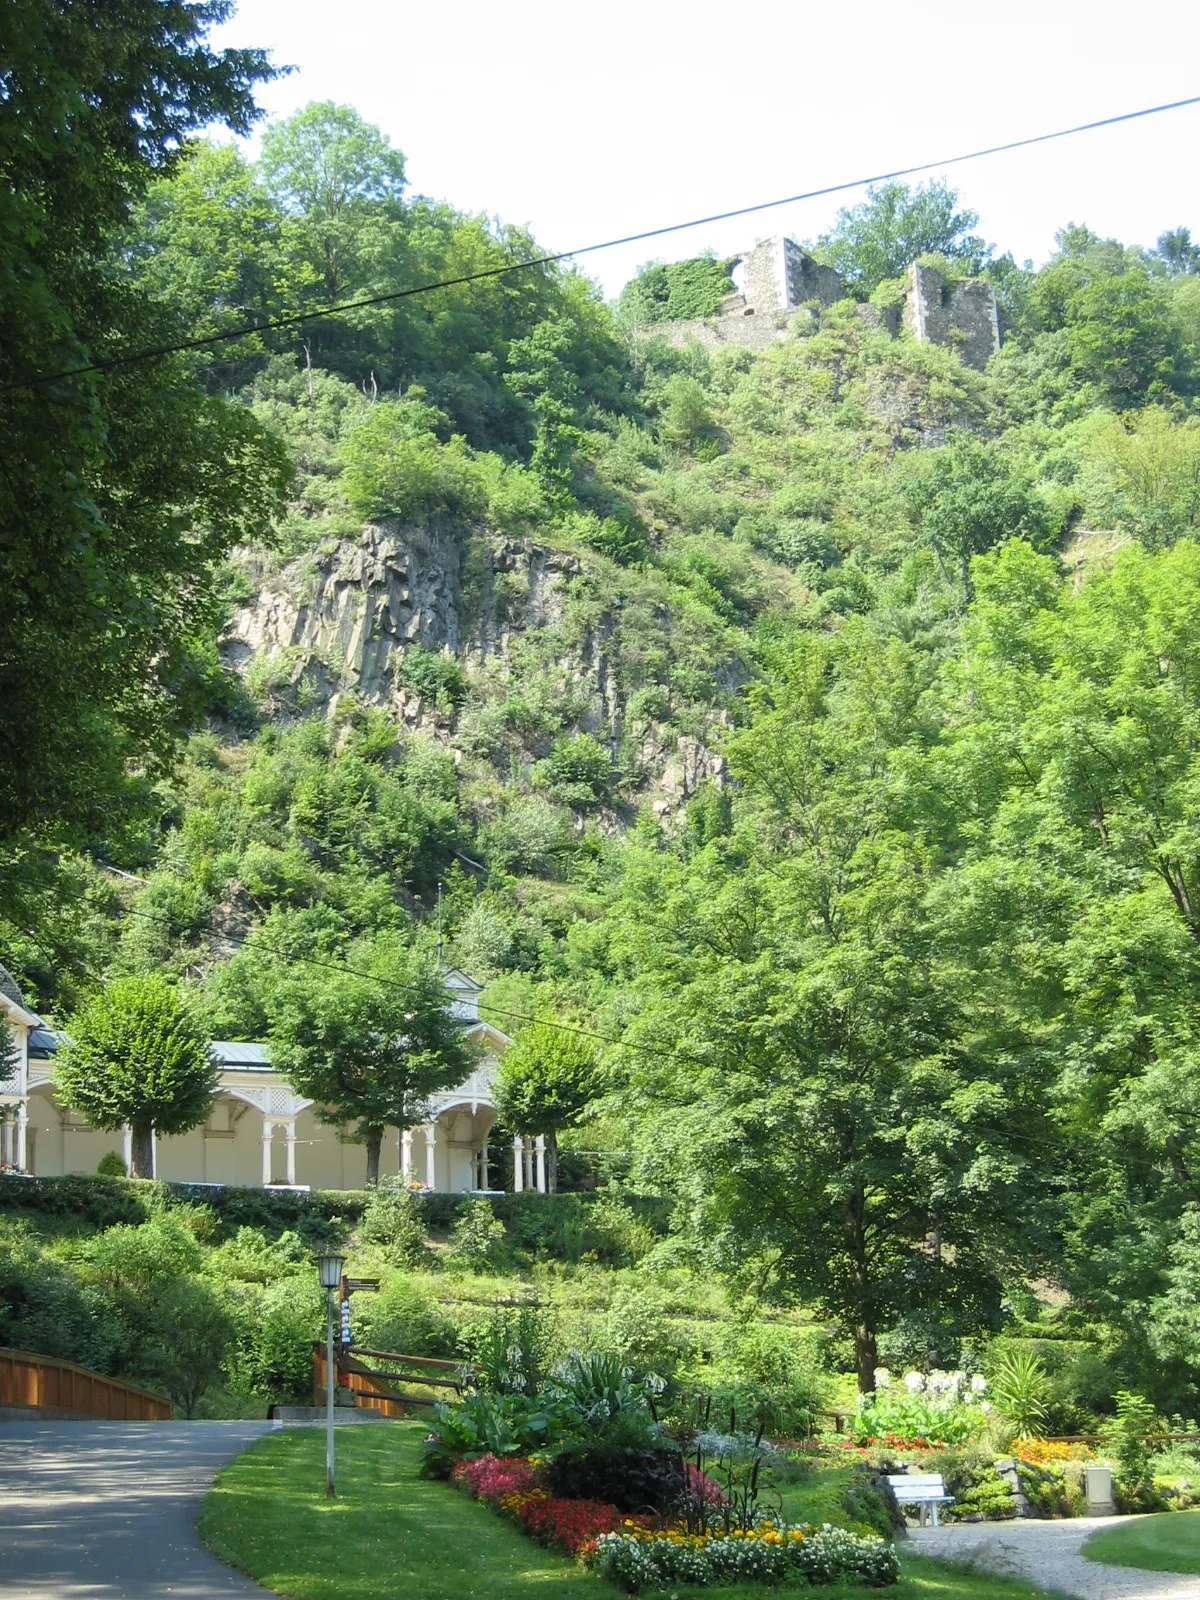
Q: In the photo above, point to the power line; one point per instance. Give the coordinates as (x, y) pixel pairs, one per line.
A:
(298, 318)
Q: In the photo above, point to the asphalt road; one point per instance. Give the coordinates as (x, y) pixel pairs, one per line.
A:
(107, 1510)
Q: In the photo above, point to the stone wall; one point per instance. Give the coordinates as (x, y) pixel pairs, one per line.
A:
(778, 279)
(961, 314)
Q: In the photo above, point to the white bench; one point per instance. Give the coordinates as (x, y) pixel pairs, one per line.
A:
(925, 1490)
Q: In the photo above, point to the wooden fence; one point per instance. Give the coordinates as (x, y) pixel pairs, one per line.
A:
(40, 1383)
(384, 1391)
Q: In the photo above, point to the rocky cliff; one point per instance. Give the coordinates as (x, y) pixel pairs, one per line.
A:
(515, 617)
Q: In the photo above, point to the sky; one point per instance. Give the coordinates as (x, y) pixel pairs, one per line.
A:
(591, 122)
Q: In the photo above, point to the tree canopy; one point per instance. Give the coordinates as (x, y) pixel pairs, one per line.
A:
(896, 224)
(137, 1055)
(370, 1040)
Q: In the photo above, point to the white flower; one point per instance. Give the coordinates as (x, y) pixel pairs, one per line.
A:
(979, 1384)
(883, 1378)
(914, 1382)
(985, 1406)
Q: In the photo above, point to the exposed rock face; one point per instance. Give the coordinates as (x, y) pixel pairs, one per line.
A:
(339, 621)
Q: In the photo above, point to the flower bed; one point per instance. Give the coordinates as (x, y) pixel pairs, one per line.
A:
(638, 1559)
(515, 1487)
(636, 1554)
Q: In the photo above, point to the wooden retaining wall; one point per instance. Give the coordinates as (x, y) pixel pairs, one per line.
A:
(40, 1383)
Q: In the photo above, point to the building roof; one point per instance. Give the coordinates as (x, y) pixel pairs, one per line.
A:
(236, 1053)
(9, 987)
(44, 1043)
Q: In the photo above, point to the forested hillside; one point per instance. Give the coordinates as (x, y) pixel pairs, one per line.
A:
(812, 733)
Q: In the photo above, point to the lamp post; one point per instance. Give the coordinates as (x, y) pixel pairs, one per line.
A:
(330, 1269)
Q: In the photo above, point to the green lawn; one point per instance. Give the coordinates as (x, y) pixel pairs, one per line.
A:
(391, 1535)
(1168, 1542)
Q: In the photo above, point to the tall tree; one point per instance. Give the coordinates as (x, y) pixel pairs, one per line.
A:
(893, 226)
(120, 489)
(136, 1055)
(546, 1081)
(369, 1043)
(813, 1075)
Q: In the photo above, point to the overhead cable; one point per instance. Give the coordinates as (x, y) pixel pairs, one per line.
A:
(298, 318)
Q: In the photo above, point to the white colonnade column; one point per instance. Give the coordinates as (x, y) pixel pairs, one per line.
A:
(22, 1141)
(6, 1138)
(431, 1157)
(539, 1147)
(518, 1164)
(406, 1155)
(289, 1134)
(268, 1129)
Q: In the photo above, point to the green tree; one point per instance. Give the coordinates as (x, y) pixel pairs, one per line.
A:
(126, 486)
(189, 1335)
(893, 226)
(137, 1055)
(546, 1080)
(340, 174)
(539, 372)
(208, 240)
(969, 498)
(371, 1044)
(814, 1073)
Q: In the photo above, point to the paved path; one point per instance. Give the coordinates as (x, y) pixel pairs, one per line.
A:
(107, 1510)
(1048, 1554)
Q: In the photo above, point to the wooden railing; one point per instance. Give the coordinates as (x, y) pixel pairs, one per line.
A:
(41, 1383)
(380, 1390)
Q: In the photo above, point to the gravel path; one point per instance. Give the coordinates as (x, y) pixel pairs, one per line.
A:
(107, 1510)
(1047, 1553)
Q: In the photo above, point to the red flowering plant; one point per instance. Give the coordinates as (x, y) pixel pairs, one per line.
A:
(489, 1477)
(514, 1486)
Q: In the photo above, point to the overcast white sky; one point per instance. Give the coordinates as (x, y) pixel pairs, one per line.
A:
(589, 122)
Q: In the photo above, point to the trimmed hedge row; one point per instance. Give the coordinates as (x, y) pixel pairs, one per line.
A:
(102, 1202)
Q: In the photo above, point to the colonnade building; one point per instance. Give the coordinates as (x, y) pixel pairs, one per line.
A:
(260, 1132)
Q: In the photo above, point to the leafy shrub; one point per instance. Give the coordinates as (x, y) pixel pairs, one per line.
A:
(1020, 1386)
(111, 1166)
(636, 1329)
(44, 1310)
(477, 1242)
(405, 1317)
(249, 1257)
(509, 1349)
(1054, 1489)
(388, 473)
(134, 1257)
(1130, 1453)
(272, 1353)
(577, 771)
(190, 1331)
(394, 1218)
(638, 1480)
(499, 1424)
(436, 677)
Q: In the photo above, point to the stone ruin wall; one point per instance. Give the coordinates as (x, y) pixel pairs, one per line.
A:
(961, 314)
(779, 281)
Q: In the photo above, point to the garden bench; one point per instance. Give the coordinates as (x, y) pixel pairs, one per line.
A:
(925, 1490)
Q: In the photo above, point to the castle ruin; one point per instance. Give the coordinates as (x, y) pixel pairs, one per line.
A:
(777, 282)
